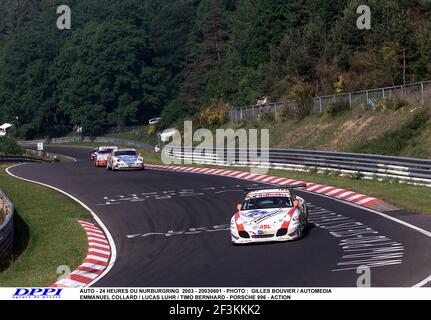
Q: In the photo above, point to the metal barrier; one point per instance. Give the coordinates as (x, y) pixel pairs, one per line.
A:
(101, 140)
(18, 159)
(370, 166)
(126, 129)
(30, 156)
(6, 229)
(415, 93)
(410, 170)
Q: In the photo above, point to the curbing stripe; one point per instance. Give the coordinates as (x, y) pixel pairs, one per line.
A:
(328, 191)
(107, 265)
(94, 264)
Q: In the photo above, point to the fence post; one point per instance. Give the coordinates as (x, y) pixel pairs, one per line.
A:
(320, 105)
(368, 97)
(422, 91)
(350, 100)
(275, 111)
(383, 93)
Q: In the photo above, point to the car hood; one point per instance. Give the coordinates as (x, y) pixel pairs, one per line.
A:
(128, 159)
(259, 216)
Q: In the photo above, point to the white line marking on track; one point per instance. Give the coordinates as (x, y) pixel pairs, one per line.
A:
(92, 213)
(406, 224)
(423, 282)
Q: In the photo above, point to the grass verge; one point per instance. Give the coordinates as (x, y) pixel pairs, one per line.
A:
(46, 236)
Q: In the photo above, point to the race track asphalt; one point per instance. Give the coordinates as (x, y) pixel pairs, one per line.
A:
(170, 230)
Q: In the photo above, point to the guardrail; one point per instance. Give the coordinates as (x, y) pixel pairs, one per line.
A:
(41, 155)
(101, 140)
(30, 156)
(6, 229)
(18, 159)
(412, 170)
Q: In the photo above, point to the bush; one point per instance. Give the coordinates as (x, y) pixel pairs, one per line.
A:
(302, 93)
(8, 146)
(268, 117)
(284, 113)
(380, 105)
(392, 142)
(174, 111)
(335, 173)
(215, 114)
(26, 131)
(336, 108)
(395, 103)
(151, 130)
(313, 170)
(357, 176)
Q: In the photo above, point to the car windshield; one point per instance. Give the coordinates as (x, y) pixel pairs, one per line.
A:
(105, 151)
(125, 153)
(267, 203)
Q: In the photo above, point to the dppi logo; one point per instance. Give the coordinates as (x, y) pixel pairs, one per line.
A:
(37, 293)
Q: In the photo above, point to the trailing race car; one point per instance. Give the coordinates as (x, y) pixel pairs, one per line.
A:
(269, 214)
(125, 159)
(100, 155)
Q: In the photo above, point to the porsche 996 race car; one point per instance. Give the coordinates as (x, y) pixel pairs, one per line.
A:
(269, 214)
(100, 155)
(124, 159)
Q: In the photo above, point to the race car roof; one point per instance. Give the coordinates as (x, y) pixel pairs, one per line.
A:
(126, 149)
(107, 147)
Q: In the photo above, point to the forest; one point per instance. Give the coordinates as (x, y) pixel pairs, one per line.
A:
(124, 62)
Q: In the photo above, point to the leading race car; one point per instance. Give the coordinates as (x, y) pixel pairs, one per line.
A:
(125, 159)
(269, 214)
(100, 155)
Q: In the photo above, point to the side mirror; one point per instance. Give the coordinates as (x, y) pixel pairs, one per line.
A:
(296, 203)
(239, 206)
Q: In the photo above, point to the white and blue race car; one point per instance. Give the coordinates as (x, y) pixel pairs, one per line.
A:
(269, 214)
(124, 159)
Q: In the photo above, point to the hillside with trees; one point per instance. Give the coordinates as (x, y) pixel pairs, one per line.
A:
(124, 62)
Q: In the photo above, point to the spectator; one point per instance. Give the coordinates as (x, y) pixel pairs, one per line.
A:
(261, 104)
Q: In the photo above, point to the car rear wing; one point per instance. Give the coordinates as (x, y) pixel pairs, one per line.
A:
(288, 188)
